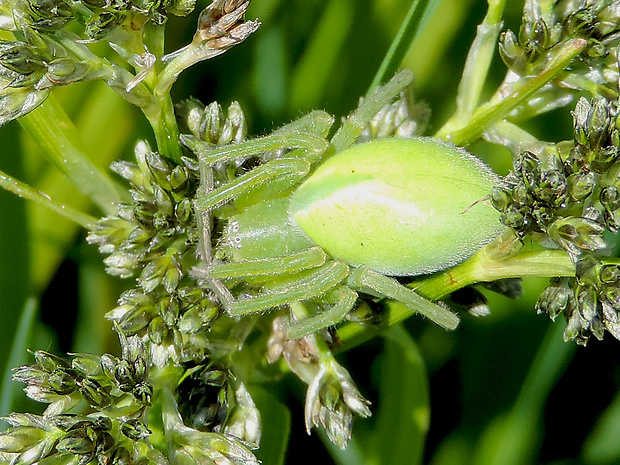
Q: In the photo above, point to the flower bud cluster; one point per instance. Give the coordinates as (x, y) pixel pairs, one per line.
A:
(39, 58)
(332, 400)
(203, 395)
(52, 36)
(99, 17)
(78, 439)
(570, 198)
(155, 237)
(151, 234)
(117, 389)
(212, 399)
(98, 380)
(209, 123)
(527, 52)
(590, 301)
(46, 51)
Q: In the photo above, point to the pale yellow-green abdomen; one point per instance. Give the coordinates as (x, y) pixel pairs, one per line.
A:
(399, 206)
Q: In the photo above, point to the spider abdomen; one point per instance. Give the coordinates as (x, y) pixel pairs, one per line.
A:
(399, 206)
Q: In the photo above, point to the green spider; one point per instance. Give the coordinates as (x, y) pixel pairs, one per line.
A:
(326, 220)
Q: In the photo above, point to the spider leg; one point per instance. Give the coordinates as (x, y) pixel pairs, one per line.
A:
(208, 155)
(345, 297)
(355, 123)
(361, 278)
(317, 282)
(293, 263)
(316, 122)
(279, 168)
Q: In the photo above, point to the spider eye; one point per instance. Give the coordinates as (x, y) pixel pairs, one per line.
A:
(399, 206)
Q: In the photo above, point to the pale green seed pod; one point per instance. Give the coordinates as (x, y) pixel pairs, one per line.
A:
(400, 207)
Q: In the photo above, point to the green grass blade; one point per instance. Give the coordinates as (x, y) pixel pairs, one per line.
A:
(276, 425)
(417, 16)
(311, 76)
(106, 125)
(514, 439)
(403, 414)
(24, 191)
(52, 129)
(602, 446)
(478, 62)
(17, 355)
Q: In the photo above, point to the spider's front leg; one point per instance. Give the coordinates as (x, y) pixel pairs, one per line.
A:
(356, 122)
(299, 148)
(307, 133)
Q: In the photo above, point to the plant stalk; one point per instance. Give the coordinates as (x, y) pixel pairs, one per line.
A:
(165, 127)
(478, 62)
(24, 191)
(499, 108)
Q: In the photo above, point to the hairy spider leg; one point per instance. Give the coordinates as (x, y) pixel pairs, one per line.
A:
(354, 124)
(314, 284)
(316, 122)
(314, 257)
(209, 155)
(288, 264)
(345, 300)
(279, 168)
(361, 278)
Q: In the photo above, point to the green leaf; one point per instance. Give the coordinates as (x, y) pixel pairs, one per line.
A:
(276, 425)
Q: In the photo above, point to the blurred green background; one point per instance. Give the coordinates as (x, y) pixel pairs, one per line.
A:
(504, 389)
